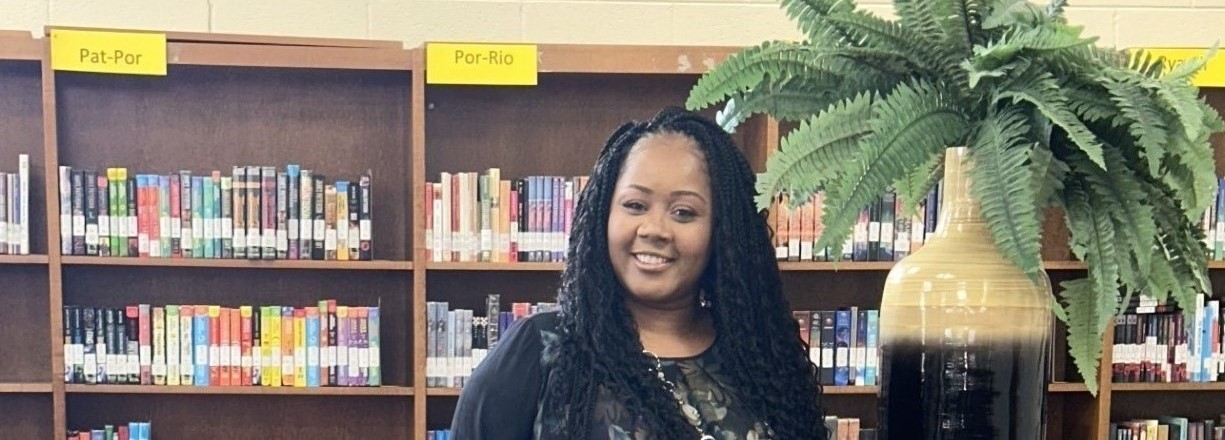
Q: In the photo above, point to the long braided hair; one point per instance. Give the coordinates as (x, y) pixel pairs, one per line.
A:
(599, 350)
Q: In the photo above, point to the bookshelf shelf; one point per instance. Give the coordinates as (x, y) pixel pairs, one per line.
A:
(529, 267)
(23, 259)
(271, 391)
(449, 392)
(25, 387)
(385, 265)
(1163, 387)
(1067, 387)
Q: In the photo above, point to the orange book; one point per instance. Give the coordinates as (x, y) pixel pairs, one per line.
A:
(224, 348)
(299, 347)
(214, 345)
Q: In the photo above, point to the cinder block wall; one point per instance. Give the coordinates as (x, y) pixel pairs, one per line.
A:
(1121, 23)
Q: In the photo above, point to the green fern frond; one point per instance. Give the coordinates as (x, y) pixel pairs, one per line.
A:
(999, 151)
(1041, 90)
(1187, 69)
(1084, 340)
(1194, 173)
(1055, 8)
(1048, 173)
(747, 69)
(1121, 195)
(912, 188)
(1184, 100)
(923, 16)
(792, 99)
(1050, 37)
(1145, 63)
(1141, 114)
(1090, 105)
(816, 151)
(1092, 241)
(909, 125)
(1008, 13)
(809, 16)
(883, 34)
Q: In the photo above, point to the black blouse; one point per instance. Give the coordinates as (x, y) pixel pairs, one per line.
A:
(503, 397)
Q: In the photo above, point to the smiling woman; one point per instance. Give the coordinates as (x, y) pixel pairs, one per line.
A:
(671, 310)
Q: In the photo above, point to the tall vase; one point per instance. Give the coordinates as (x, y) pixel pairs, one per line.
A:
(964, 333)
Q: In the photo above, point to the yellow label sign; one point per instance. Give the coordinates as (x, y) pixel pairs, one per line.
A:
(130, 53)
(480, 64)
(1213, 73)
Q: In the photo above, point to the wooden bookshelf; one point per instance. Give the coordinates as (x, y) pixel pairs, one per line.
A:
(259, 391)
(26, 387)
(237, 264)
(23, 259)
(239, 100)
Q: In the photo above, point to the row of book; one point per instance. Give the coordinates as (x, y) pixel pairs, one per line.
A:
(457, 340)
(129, 431)
(1167, 428)
(256, 212)
(481, 217)
(882, 233)
(211, 345)
(1159, 343)
(843, 344)
(15, 209)
(1213, 223)
(840, 428)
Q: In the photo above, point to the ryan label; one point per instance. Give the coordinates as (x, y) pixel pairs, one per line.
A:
(131, 53)
(481, 64)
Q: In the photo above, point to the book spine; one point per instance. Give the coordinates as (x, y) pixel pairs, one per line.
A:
(104, 215)
(187, 363)
(306, 220)
(146, 344)
(200, 326)
(333, 358)
(329, 222)
(238, 186)
(312, 346)
(227, 216)
(255, 212)
(173, 346)
(293, 208)
(354, 221)
(299, 347)
(163, 210)
(245, 345)
(282, 215)
(324, 362)
(268, 220)
(257, 346)
(342, 345)
(342, 221)
(223, 348)
(215, 203)
(374, 343)
(235, 346)
(158, 366)
(213, 335)
(176, 216)
(187, 225)
(288, 353)
(365, 218)
(91, 212)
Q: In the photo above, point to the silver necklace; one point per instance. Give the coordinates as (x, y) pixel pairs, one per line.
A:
(687, 410)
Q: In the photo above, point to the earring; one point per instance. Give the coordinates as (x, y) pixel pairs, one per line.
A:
(702, 301)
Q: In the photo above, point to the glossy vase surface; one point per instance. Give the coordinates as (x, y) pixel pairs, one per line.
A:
(964, 334)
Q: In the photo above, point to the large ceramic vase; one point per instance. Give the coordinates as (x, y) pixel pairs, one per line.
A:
(964, 334)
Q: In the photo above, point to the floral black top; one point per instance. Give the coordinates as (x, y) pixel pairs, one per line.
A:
(503, 398)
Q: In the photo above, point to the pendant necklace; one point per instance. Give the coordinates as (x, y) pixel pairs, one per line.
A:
(671, 389)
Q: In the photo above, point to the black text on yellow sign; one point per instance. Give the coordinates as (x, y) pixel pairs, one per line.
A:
(131, 53)
(480, 64)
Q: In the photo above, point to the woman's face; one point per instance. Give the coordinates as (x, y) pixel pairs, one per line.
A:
(659, 224)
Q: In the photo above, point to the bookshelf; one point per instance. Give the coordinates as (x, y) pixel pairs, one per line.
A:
(237, 99)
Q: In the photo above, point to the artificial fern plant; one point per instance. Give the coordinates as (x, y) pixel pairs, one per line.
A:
(1118, 140)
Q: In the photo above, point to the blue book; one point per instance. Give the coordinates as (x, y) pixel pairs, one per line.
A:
(872, 360)
(842, 347)
(200, 327)
(312, 348)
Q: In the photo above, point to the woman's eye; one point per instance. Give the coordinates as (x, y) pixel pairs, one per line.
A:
(634, 206)
(684, 214)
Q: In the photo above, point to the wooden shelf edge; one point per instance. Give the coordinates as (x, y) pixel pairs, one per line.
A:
(1173, 386)
(453, 392)
(237, 263)
(1067, 387)
(250, 390)
(539, 267)
(25, 387)
(317, 57)
(23, 259)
